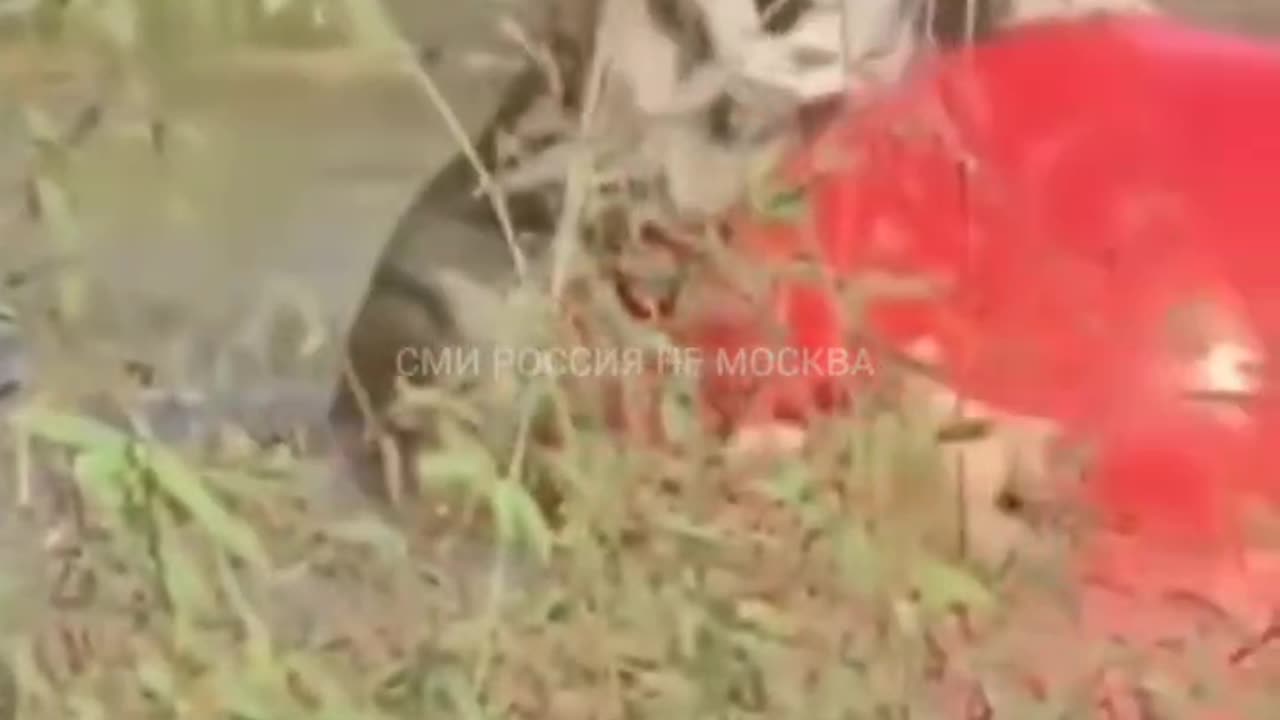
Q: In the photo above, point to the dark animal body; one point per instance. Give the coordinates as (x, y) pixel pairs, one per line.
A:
(448, 254)
(451, 238)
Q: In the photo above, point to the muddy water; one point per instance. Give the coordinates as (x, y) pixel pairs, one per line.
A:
(281, 177)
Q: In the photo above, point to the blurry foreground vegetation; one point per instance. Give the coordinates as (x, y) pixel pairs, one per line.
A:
(673, 583)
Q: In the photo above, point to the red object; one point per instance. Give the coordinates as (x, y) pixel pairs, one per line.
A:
(1071, 182)
(1072, 186)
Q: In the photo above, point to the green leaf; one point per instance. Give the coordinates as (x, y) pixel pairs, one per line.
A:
(185, 486)
(100, 472)
(460, 463)
(72, 431)
(520, 519)
(789, 205)
(185, 576)
(792, 484)
(769, 197)
(944, 586)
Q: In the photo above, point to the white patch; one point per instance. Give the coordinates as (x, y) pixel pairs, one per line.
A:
(925, 350)
(767, 440)
(640, 54)
(1032, 10)
(863, 39)
(1225, 369)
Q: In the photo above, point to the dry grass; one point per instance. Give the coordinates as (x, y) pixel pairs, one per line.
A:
(862, 570)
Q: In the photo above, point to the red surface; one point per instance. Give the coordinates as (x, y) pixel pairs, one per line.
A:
(1071, 183)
